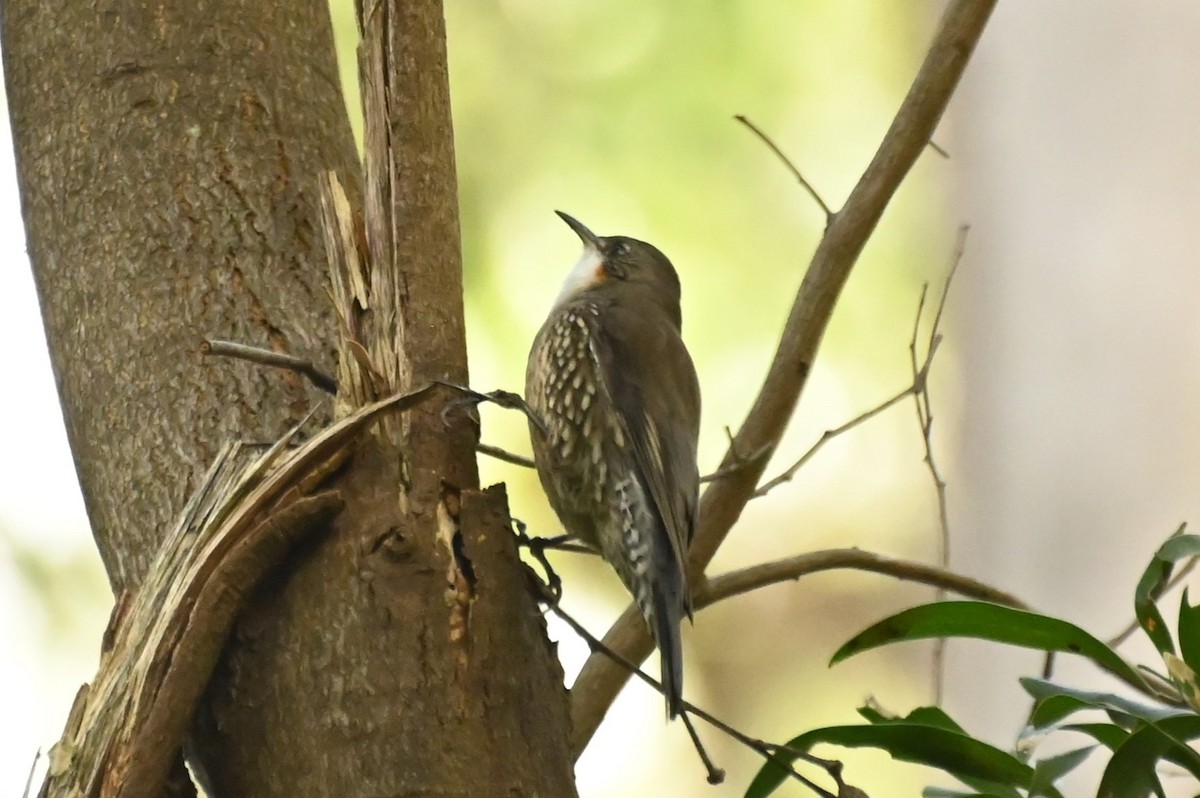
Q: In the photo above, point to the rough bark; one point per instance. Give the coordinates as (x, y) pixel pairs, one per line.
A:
(167, 156)
(407, 683)
(168, 159)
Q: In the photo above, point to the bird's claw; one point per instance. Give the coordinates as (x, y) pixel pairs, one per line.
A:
(473, 398)
(537, 548)
(470, 405)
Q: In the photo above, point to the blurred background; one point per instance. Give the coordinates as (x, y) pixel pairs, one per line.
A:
(1064, 392)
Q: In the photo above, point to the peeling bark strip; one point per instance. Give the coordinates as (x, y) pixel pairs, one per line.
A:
(126, 729)
(413, 328)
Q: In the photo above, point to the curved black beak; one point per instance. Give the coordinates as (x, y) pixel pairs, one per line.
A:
(588, 238)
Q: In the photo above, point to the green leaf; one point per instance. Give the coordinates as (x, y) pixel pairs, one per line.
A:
(1112, 737)
(1055, 702)
(872, 715)
(922, 738)
(990, 622)
(1132, 771)
(1047, 771)
(932, 716)
(1172, 728)
(1189, 632)
(1179, 546)
(1048, 712)
(1107, 734)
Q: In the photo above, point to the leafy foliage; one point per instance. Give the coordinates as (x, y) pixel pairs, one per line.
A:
(1142, 733)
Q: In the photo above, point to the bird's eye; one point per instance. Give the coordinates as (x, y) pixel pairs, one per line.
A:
(615, 260)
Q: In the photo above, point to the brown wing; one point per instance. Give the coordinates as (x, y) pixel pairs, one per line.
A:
(656, 396)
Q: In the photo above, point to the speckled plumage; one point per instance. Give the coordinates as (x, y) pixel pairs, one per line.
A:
(617, 395)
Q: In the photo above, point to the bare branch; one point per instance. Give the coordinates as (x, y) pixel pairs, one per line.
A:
(924, 408)
(918, 389)
(844, 239)
(32, 769)
(829, 435)
(736, 466)
(716, 775)
(502, 454)
(812, 192)
(933, 145)
(792, 568)
(746, 580)
(269, 357)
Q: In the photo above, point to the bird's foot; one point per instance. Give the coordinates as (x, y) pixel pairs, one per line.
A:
(473, 398)
(553, 585)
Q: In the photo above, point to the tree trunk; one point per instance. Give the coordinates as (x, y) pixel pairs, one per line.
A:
(168, 159)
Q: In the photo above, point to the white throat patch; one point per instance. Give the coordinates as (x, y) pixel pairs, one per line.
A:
(582, 277)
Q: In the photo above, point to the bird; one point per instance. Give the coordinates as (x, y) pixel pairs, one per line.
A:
(614, 404)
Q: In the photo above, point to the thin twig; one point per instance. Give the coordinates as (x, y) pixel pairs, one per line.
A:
(1184, 571)
(29, 779)
(506, 456)
(737, 465)
(767, 750)
(924, 408)
(812, 192)
(918, 387)
(829, 435)
(268, 357)
(933, 145)
(716, 775)
(921, 378)
(925, 423)
(770, 751)
(1047, 672)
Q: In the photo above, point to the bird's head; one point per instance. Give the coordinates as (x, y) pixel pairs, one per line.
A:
(620, 267)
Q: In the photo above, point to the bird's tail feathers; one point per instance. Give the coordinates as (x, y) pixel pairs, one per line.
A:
(665, 616)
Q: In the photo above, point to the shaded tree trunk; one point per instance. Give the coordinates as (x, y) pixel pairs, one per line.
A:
(168, 159)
